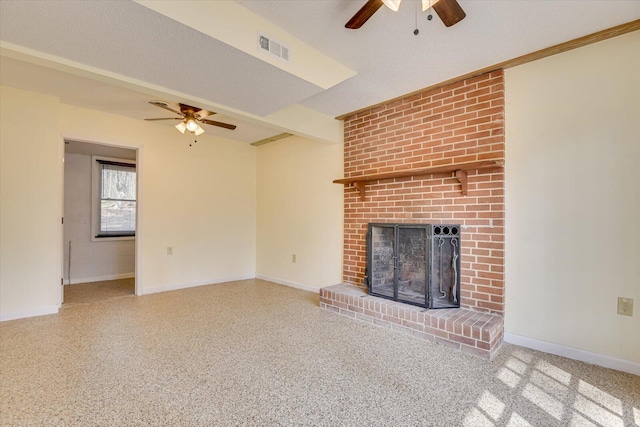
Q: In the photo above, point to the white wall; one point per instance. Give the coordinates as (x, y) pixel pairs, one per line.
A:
(300, 211)
(91, 260)
(199, 200)
(573, 199)
(30, 204)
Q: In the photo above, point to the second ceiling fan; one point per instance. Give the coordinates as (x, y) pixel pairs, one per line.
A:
(449, 11)
(189, 117)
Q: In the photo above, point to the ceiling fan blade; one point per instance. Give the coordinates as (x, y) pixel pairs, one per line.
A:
(168, 118)
(203, 113)
(165, 106)
(449, 12)
(219, 124)
(363, 15)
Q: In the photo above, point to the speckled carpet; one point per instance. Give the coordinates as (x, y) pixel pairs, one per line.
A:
(99, 291)
(257, 353)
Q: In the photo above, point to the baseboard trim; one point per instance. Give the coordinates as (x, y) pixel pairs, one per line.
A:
(574, 353)
(176, 287)
(102, 278)
(47, 309)
(291, 284)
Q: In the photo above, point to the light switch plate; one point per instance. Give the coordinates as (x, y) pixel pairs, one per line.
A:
(625, 306)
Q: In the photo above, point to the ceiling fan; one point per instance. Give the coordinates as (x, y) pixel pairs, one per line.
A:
(189, 118)
(448, 10)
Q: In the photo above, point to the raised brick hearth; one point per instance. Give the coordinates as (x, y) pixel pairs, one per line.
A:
(472, 332)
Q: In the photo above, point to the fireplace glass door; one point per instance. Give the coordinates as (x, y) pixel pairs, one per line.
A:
(383, 261)
(412, 264)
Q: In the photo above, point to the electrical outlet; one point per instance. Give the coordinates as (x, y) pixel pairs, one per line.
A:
(169, 250)
(293, 258)
(625, 306)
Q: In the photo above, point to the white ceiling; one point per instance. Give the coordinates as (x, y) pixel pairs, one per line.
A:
(148, 55)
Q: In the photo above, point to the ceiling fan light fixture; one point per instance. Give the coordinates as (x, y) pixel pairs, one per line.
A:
(198, 131)
(427, 4)
(191, 124)
(181, 127)
(392, 4)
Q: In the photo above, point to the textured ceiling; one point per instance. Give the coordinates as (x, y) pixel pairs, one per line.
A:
(126, 38)
(88, 93)
(133, 43)
(391, 61)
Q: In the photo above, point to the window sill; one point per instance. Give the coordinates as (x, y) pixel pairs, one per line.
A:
(111, 238)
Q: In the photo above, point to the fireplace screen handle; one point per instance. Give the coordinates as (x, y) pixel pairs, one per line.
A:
(454, 264)
(443, 294)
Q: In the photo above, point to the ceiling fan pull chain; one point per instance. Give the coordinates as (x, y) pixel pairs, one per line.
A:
(416, 31)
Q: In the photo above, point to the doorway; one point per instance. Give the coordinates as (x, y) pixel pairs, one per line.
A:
(100, 212)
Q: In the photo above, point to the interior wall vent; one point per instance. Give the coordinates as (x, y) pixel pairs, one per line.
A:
(273, 47)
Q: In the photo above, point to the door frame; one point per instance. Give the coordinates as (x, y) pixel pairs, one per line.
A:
(138, 148)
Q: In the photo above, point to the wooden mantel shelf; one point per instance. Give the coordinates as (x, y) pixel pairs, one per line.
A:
(459, 171)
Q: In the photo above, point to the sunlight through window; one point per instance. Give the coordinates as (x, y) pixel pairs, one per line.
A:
(554, 372)
(559, 393)
(549, 385)
(517, 421)
(597, 412)
(547, 403)
(508, 377)
(579, 420)
(491, 405)
(522, 355)
(516, 365)
(603, 398)
(475, 418)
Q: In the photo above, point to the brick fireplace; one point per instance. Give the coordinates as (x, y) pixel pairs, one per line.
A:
(457, 124)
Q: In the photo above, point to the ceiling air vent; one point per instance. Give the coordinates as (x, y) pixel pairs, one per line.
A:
(273, 47)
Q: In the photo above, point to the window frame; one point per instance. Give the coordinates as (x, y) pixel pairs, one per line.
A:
(96, 187)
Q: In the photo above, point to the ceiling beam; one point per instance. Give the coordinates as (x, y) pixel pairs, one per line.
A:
(236, 26)
(271, 139)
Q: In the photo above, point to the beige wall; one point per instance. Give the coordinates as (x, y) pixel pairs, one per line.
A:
(30, 204)
(200, 200)
(300, 212)
(573, 198)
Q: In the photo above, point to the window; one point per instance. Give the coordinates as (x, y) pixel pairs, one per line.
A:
(116, 198)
